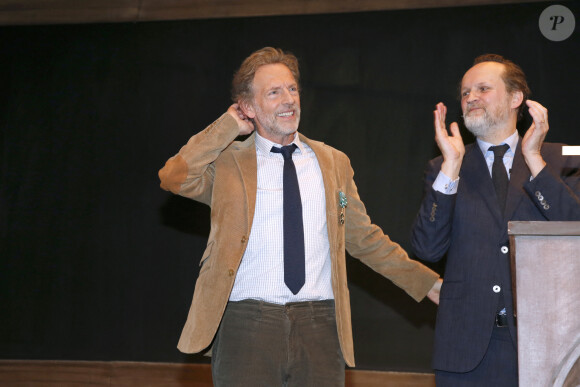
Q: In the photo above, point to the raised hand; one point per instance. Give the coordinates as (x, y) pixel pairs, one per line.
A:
(451, 146)
(245, 124)
(534, 137)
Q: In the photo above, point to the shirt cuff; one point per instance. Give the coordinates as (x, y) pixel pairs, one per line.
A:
(445, 185)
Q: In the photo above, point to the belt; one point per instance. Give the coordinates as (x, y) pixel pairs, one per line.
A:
(501, 320)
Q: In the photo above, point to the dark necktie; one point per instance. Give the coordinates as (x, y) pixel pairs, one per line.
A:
(499, 174)
(293, 228)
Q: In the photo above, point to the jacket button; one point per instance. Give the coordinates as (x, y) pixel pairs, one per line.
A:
(231, 272)
(244, 239)
(496, 288)
(504, 249)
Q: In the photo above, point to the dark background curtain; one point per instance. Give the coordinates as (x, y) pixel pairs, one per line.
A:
(98, 263)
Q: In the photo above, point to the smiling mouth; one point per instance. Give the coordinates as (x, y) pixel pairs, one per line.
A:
(474, 109)
(286, 114)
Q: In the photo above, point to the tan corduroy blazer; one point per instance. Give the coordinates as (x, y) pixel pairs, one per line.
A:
(214, 169)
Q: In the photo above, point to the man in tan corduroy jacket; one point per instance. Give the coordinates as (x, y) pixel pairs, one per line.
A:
(261, 333)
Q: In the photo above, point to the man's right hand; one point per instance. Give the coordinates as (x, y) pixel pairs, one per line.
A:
(451, 146)
(244, 122)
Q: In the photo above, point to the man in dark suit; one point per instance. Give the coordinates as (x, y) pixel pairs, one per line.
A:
(469, 199)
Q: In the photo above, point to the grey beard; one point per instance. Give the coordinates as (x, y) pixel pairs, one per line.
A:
(481, 126)
(478, 126)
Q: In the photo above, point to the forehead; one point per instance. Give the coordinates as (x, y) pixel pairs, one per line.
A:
(272, 75)
(485, 72)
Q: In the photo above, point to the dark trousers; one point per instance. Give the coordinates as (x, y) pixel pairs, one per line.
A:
(263, 344)
(498, 368)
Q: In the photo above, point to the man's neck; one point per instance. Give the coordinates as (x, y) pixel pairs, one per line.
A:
(498, 134)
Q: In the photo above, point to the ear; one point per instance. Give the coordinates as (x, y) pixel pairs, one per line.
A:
(247, 108)
(517, 99)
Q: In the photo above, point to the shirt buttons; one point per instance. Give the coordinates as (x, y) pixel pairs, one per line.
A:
(504, 249)
(496, 288)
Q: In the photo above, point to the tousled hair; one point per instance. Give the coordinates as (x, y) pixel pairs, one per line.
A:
(244, 77)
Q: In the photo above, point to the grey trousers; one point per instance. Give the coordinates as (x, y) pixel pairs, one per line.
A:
(263, 344)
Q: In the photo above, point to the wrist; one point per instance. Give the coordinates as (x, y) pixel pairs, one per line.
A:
(535, 163)
(451, 168)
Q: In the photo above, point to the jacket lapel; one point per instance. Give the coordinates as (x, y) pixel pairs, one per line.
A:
(327, 168)
(520, 173)
(246, 160)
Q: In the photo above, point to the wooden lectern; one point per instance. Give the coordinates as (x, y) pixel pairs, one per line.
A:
(545, 258)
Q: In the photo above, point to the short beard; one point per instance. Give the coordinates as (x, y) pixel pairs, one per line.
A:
(272, 126)
(481, 126)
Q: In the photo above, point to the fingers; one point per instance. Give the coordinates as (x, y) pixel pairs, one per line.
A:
(440, 127)
(454, 128)
(237, 110)
(245, 124)
(538, 112)
(535, 135)
(439, 115)
(451, 146)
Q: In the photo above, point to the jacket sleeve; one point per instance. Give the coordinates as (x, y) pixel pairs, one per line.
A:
(190, 173)
(555, 191)
(367, 242)
(431, 231)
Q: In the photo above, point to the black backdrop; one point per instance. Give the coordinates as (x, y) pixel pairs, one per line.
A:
(98, 263)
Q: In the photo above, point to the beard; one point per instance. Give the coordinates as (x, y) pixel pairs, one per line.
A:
(271, 124)
(482, 125)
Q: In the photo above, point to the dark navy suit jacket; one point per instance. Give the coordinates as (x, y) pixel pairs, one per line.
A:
(470, 231)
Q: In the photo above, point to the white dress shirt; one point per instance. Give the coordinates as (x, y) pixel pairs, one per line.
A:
(261, 272)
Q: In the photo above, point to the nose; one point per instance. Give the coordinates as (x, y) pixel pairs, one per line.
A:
(472, 96)
(288, 97)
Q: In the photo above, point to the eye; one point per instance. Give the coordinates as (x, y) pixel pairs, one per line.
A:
(483, 88)
(464, 94)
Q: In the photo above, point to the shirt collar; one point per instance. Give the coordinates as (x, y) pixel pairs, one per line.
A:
(512, 142)
(265, 145)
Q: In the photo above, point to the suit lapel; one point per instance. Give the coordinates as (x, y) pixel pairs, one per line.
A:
(327, 168)
(245, 158)
(520, 173)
